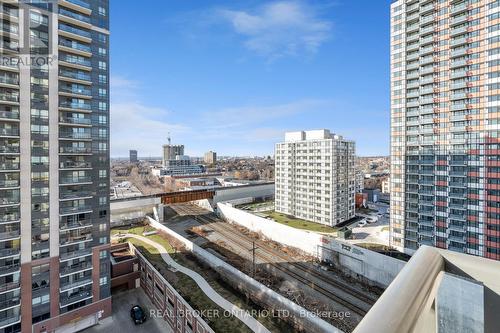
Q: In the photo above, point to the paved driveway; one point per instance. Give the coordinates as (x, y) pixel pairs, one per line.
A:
(121, 321)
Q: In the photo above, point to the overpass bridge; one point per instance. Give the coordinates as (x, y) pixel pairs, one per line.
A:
(134, 208)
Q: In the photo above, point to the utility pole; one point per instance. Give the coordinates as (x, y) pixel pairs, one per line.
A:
(253, 258)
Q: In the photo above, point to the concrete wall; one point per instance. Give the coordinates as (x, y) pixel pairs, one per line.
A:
(122, 212)
(302, 318)
(368, 266)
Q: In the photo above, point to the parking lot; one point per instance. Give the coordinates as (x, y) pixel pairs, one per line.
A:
(375, 233)
(121, 321)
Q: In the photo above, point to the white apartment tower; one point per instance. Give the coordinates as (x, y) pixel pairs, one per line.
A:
(315, 177)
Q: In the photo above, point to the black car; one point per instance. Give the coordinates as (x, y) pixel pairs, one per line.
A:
(137, 314)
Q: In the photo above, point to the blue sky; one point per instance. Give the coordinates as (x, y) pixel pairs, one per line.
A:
(233, 76)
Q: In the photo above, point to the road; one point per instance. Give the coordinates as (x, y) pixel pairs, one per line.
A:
(120, 322)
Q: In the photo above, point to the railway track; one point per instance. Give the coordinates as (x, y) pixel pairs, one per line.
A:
(290, 268)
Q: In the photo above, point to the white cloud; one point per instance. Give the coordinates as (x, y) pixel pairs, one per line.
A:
(136, 126)
(280, 28)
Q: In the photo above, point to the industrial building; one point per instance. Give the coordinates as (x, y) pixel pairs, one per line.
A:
(315, 177)
(445, 115)
(210, 158)
(54, 165)
(133, 156)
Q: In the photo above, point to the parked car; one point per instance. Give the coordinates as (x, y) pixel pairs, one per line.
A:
(371, 219)
(137, 314)
(362, 223)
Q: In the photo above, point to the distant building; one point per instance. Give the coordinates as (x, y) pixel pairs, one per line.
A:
(315, 177)
(386, 185)
(210, 157)
(133, 156)
(170, 152)
(359, 181)
(181, 165)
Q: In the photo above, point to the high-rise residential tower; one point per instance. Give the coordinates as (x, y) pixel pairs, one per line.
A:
(315, 177)
(133, 156)
(54, 162)
(210, 157)
(170, 152)
(445, 111)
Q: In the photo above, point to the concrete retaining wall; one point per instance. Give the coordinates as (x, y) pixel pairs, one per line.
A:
(303, 318)
(368, 266)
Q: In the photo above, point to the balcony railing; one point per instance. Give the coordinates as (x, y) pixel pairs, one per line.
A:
(80, 3)
(75, 210)
(75, 268)
(77, 239)
(10, 234)
(8, 183)
(75, 284)
(76, 136)
(9, 80)
(9, 115)
(75, 165)
(72, 105)
(74, 225)
(9, 252)
(76, 61)
(75, 120)
(75, 254)
(11, 319)
(75, 180)
(75, 75)
(9, 97)
(73, 30)
(9, 286)
(9, 166)
(9, 217)
(75, 195)
(77, 91)
(74, 15)
(66, 300)
(8, 200)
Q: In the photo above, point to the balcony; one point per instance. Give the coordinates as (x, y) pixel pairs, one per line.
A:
(81, 76)
(81, 296)
(75, 165)
(9, 199)
(77, 106)
(75, 16)
(9, 183)
(66, 241)
(8, 97)
(75, 136)
(9, 269)
(9, 286)
(76, 60)
(68, 270)
(75, 180)
(80, 3)
(9, 115)
(75, 284)
(10, 320)
(10, 235)
(75, 150)
(75, 210)
(7, 79)
(69, 255)
(75, 90)
(73, 195)
(9, 166)
(75, 31)
(7, 216)
(9, 252)
(76, 225)
(459, 8)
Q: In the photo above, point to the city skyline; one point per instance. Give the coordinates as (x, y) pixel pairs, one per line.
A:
(232, 85)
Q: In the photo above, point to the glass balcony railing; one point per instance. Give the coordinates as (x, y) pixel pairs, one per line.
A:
(9, 131)
(76, 60)
(75, 268)
(10, 235)
(75, 284)
(80, 3)
(9, 97)
(66, 300)
(75, 195)
(6, 79)
(75, 90)
(75, 209)
(73, 120)
(75, 45)
(4, 166)
(75, 180)
(9, 286)
(73, 105)
(74, 165)
(11, 268)
(75, 75)
(7, 252)
(68, 255)
(75, 150)
(73, 15)
(9, 183)
(9, 114)
(75, 225)
(64, 241)
(74, 30)
(76, 136)
(13, 29)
